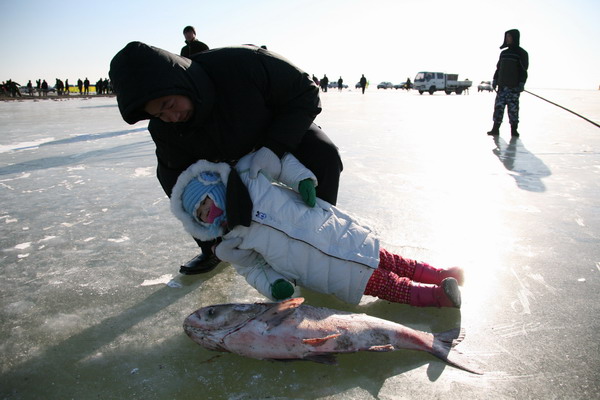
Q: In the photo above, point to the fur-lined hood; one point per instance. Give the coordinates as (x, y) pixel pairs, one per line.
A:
(194, 228)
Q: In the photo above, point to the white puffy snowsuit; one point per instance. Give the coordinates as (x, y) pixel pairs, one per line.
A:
(321, 248)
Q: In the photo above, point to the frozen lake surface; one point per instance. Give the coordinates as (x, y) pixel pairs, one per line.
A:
(92, 304)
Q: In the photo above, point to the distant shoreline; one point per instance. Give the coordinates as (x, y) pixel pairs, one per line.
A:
(54, 96)
(57, 97)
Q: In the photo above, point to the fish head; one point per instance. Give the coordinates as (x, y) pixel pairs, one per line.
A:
(209, 325)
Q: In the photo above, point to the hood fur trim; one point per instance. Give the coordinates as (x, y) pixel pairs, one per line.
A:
(189, 224)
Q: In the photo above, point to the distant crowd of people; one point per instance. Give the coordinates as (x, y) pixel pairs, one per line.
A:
(11, 88)
(324, 83)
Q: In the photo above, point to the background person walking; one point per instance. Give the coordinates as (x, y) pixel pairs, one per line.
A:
(363, 83)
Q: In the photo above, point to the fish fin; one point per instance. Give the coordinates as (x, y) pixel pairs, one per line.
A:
(443, 348)
(316, 342)
(328, 359)
(452, 337)
(386, 347)
(295, 302)
(275, 314)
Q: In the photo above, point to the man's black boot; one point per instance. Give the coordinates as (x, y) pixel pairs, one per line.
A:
(495, 130)
(200, 264)
(513, 130)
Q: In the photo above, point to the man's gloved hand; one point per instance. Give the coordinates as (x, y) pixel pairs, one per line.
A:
(281, 289)
(307, 191)
(228, 251)
(521, 86)
(267, 161)
(494, 84)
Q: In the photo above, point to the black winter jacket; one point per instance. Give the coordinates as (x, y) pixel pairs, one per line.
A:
(511, 70)
(244, 98)
(193, 47)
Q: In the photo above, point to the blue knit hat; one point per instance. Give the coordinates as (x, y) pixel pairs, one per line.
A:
(205, 184)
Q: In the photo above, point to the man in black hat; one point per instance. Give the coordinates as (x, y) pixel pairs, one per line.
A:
(192, 45)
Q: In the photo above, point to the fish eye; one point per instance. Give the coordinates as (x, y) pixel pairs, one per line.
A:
(211, 311)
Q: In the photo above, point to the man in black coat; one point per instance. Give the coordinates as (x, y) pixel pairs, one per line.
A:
(192, 45)
(219, 106)
(510, 78)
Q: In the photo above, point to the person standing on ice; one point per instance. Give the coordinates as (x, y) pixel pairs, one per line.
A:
(192, 45)
(509, 78)
(220, 105)
(363, 83)
(273, 238)
(324, 83)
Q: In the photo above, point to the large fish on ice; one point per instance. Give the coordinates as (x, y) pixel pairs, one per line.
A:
(292, 331)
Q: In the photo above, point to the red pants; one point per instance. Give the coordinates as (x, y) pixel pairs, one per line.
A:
(392, 279)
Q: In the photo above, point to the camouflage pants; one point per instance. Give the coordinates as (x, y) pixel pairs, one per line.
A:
(507, 97)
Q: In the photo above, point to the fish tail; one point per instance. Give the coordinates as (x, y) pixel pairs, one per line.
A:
(444, 348)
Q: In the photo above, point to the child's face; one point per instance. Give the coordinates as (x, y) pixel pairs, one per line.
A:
(172, 108)
(204, 209)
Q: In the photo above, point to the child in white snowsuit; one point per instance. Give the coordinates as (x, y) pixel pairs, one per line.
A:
(277, 238)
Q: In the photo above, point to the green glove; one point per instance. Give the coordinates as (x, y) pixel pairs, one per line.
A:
(308, 192)
(281, 289)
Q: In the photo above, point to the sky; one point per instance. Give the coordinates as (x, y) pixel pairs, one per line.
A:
(387, 40)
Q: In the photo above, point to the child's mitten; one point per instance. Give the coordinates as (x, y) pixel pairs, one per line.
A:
(307, 190)
(281, 289)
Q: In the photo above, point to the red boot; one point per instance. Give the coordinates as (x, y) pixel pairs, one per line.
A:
(425, 273)
(445, 295)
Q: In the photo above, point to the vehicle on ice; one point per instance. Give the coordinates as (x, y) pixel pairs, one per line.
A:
(485, 85)
(438, 81)
(334, 85)
(385, 85)
(404, 85)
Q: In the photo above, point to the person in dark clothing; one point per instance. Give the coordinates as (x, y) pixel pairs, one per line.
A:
(192, 45)
(324, 83)
(60, 86)
(363, 83)
(14, 88)
(340, 84)
(99, 86)
(220, 105)
(509, 78)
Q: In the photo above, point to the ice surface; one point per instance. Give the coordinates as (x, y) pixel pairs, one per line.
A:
(92, 305)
